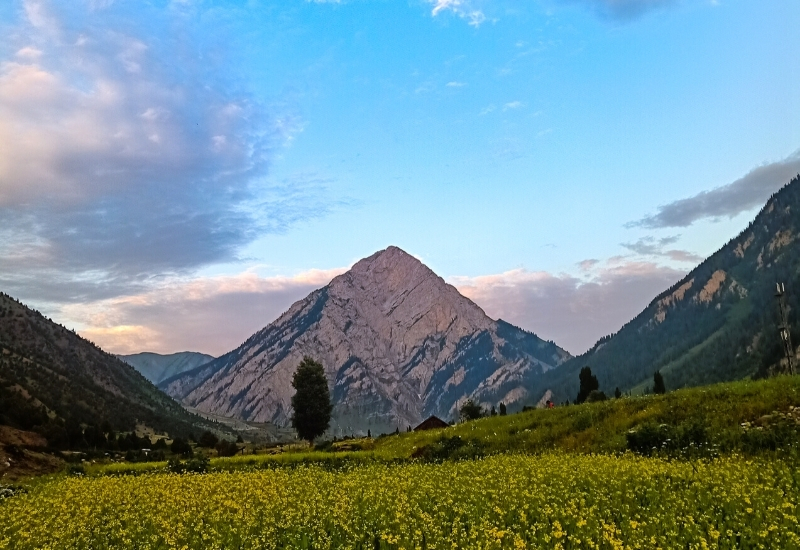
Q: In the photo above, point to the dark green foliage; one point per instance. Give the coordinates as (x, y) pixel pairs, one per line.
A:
(617, 393)
(197, 465)
(227, 448)
(8, 491)
(588, 384)
(208, 440)
(181, 447)
(76, 470)
(658, 383)
(141, 456)
(452, 448)
(689, 437)
(493, 412)
(470, 410)
(311, 401)
(595, 396)
(502, 409)
(52, 382)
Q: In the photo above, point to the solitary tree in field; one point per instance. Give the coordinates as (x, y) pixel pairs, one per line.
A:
(589, 384)
(658, 383)
(502, 409)
(311, 401)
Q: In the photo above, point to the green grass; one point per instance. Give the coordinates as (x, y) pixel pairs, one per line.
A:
(602, 427)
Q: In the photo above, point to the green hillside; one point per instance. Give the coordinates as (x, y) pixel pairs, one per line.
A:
(56, 383)
(718, 323)
(754, 418)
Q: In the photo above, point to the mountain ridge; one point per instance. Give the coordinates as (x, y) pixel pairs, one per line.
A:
(398, 344)
(158, 367)
(52, 380)
(718, 323)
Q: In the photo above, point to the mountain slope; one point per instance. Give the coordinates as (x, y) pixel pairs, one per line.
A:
(718, 323)
(156, 367)
(51, 378)
(397, 342)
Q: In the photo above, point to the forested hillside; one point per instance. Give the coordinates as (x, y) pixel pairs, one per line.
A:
(718, 323)
(53, 381)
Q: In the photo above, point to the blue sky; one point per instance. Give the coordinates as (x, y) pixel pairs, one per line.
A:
(174, 174)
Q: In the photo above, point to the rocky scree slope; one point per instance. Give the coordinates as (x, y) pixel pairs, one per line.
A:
(718, 323)
(397, 342)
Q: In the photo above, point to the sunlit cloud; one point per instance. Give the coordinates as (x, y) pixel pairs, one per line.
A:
(211, 314)
(572, 311)
(126, 159)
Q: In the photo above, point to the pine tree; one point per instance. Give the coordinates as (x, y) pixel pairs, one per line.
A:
(658, 383)
(589, 384)
(502, 409)
(311, 401)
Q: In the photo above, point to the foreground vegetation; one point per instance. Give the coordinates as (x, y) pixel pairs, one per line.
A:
(554, 501)
(705, 467)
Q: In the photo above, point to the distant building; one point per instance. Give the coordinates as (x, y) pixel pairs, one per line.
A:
(432, 423)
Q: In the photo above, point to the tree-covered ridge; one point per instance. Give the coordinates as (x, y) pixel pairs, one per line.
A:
(52, 380)
(718, 323)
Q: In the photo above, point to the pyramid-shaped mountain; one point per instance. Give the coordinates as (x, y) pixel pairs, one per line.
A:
(718, 323)
(398, 344)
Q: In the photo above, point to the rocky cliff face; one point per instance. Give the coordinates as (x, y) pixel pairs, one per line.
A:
(397, 342)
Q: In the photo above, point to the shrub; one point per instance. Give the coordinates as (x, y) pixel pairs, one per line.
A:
(198, 465)
(451, 448)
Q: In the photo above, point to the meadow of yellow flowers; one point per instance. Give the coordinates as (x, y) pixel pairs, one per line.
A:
(508, 501)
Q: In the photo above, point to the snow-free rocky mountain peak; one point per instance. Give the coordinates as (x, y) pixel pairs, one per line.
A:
(398, 344)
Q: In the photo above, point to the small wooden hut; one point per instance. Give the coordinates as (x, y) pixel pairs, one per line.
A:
(432, 423)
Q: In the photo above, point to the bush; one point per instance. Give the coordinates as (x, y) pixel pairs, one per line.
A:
(208, 440)
(227, 448)
(76, 470)
(181, 447)
(198, 465)
(451, 448)
(653, 438)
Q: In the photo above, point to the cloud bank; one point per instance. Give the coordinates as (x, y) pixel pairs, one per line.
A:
(572, 311)
(750, 191)
(126, 154)
(212, 315)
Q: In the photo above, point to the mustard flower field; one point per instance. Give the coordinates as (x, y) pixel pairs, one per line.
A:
(509, 501)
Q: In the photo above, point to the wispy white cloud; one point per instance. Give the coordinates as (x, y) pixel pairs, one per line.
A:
(455, 84)
(513, 105)
(570, 310)
(461, 8)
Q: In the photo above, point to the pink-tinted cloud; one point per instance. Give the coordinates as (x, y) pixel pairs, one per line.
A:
(212, 315)
(573, 312)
